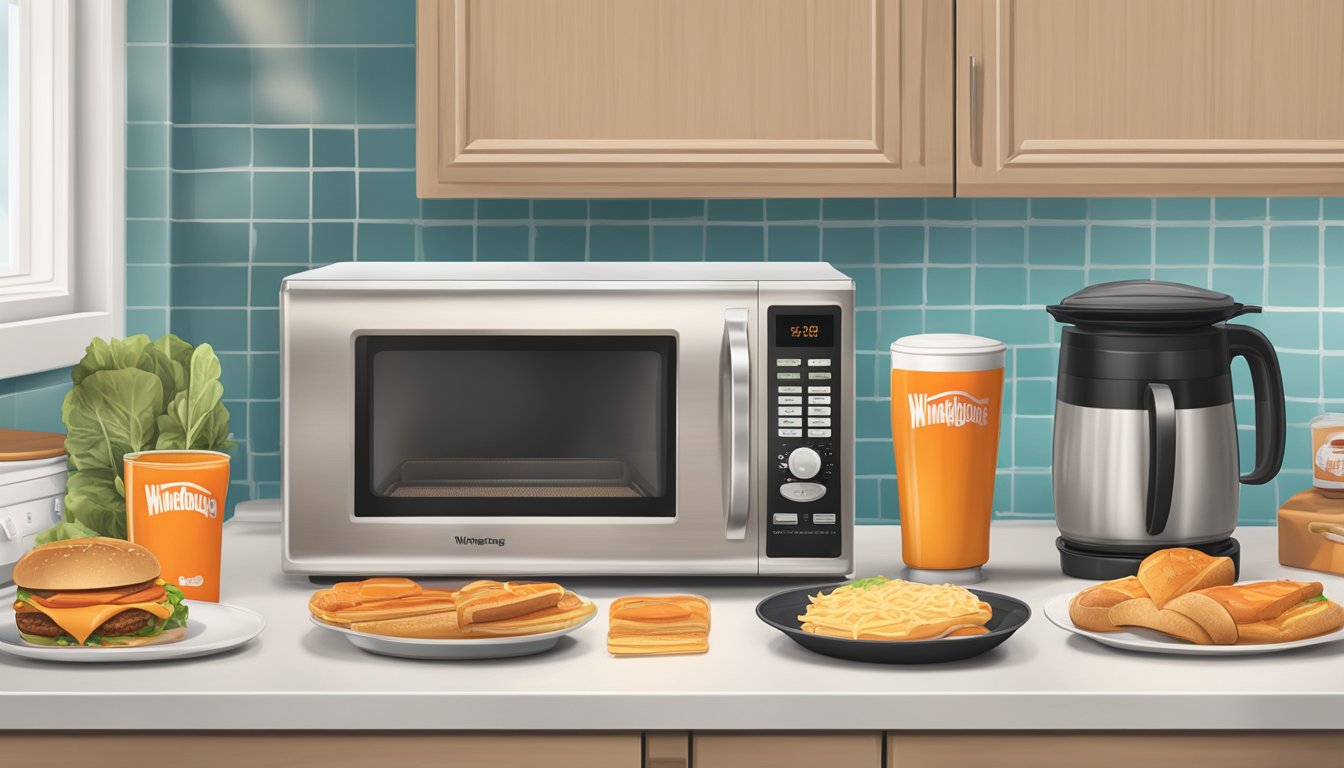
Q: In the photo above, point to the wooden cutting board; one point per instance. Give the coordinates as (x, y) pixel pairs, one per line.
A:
(18, 445)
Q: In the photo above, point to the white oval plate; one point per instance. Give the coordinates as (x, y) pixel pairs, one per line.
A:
(211, 628)
(484, 648)
(1152, 641)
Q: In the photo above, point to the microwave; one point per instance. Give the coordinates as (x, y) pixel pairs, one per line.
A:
(530, 419)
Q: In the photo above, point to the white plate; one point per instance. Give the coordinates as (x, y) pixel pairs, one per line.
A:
(211, 628)
(1152, 641)
(484, 648)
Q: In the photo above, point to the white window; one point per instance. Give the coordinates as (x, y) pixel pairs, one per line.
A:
(62, 208)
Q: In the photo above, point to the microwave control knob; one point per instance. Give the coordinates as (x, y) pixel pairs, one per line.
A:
(804, 463)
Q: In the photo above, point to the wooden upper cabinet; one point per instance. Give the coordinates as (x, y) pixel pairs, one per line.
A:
(1150, 97)
(684, 98)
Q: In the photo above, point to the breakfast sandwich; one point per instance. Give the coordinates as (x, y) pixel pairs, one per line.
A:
(658, 625)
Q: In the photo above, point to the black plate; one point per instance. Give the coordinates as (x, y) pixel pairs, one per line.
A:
(782, 610)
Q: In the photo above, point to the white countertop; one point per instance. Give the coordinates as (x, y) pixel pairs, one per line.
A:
(296, 676)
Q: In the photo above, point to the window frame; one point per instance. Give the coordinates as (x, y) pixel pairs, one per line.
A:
(70, 204)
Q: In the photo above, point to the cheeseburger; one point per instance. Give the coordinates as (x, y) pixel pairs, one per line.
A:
(95, 592)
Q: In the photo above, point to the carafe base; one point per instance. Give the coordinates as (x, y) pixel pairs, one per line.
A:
(1096, 563)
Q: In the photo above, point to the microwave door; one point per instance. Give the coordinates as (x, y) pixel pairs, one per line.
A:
(588, 430)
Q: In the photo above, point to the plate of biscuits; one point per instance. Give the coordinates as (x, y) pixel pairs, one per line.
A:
(394, 616)
(1184, 601)
(891, 621)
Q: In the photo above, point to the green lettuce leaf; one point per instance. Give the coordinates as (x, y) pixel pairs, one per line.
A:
(869, 583)
(193, 417)
(1316, 599)
(178, 353)
(65, 531)
(114, 355)
(93, 502)
(180, 610)
(110, 414)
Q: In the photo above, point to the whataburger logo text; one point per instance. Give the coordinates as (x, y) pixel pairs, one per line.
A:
(180, 497)
(954, 408)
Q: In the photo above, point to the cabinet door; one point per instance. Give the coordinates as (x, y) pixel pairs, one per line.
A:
(786, 750)
(260, 749)
(684, 98)
(1150, 97)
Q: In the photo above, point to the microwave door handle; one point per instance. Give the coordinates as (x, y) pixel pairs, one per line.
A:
(737, 488)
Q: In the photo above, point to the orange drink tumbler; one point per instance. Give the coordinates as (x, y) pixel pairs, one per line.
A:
(946, 397)
(175, 509)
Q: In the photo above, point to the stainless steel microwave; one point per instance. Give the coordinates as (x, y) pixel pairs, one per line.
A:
(516, 419)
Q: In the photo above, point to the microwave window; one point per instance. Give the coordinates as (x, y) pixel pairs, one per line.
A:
(515, 425)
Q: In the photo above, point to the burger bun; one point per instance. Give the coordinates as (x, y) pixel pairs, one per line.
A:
(93, 563)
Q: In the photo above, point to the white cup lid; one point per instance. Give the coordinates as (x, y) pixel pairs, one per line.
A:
(947, 352)
(946, 344)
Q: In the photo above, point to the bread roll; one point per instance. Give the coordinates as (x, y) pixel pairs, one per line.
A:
(1170, 573)
(1143, 612)
(1091, 608)
(1208, 613)
(1303, 620)
(1262, 600)
(481, 602)
(1261, 612)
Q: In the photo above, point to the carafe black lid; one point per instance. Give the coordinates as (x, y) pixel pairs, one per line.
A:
(1148, 305)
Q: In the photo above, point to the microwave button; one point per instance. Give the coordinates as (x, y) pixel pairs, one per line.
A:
(790, 433)
(785, 518)
(791, 410)
(787, 376)
(817, 422)
(824, 389)
(796, 422)
(802, 491)
(790, 400)
(786, 390)
(818, 362)
(818, 433)
(823, 518)
(819, 400)
(819, 375)
(788, 362)
(819, 410)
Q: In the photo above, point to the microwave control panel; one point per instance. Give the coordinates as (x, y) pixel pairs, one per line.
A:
(802, 509)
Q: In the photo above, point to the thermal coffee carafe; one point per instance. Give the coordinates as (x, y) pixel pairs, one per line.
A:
(1145, 452)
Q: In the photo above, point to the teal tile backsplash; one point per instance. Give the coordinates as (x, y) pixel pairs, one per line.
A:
(268, 136)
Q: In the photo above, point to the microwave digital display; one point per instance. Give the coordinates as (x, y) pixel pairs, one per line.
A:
(804, 331)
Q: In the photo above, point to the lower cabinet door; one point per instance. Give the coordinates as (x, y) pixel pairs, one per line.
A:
(1115, 749)
(328, 750)
(786, 750)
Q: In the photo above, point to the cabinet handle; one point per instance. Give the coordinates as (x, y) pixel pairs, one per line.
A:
(976, 132)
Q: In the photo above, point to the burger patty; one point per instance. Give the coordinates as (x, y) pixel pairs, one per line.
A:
(124, 623)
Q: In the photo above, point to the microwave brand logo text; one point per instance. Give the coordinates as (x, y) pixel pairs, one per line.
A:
(180, 497)
(950, 409)
(476, 541)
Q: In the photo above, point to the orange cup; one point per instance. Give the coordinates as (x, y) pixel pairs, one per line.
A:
(946, 398)
(175, 509)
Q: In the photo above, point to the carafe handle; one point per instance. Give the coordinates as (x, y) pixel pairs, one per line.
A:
(1161, 407)
(1267, 380)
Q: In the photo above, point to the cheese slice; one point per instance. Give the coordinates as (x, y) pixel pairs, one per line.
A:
(81, 622)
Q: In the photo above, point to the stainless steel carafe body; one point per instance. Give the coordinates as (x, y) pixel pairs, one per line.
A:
(1101, 458)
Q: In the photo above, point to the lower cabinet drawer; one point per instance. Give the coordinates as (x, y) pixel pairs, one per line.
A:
(786, 750)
